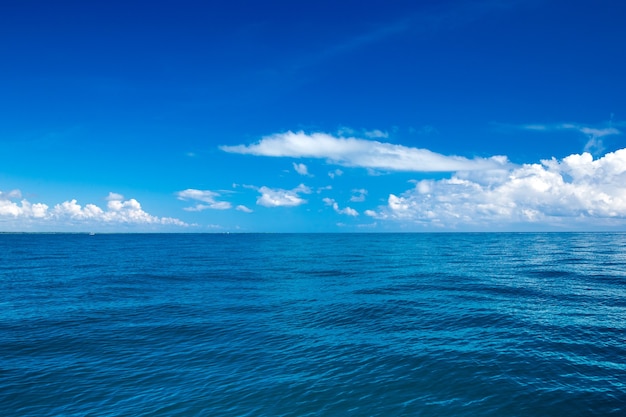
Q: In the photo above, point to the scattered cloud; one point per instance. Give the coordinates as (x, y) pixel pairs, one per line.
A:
(355, 152)
(376, 134)
(576, 189)
(358, 195)
(277, 197)
(345, 131)
(347, 211)
(301, 169)
(117, 210)
(206, 198)
(325, 188)
(243, 208)
(335, 173)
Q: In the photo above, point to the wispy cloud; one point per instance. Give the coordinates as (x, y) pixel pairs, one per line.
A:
(346, 131)
(206, 198)
(376, 134)
(347, 210)
(301, 169)
(355, 152)
(358, 195)
(118, 210)
(422, 21)
(574, 190)
(243, 208)
(336, 173)
(594, 135)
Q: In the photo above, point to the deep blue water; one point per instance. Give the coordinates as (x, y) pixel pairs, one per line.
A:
(313, 325)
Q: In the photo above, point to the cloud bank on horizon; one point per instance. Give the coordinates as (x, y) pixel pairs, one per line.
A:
(69, 214)
(575, 192)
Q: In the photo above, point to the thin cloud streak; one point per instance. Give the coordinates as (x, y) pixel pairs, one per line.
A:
(207, 200)
(355, 152)
(595, 135)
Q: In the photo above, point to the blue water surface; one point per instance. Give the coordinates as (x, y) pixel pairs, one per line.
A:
(464, 324)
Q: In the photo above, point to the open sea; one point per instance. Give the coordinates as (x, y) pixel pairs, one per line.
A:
(484, 324)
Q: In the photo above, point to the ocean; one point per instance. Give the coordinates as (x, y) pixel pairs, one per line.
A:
(447, 324)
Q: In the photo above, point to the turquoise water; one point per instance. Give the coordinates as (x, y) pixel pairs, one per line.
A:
(313, 325)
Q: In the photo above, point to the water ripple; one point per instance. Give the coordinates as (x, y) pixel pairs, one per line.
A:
(313, 325)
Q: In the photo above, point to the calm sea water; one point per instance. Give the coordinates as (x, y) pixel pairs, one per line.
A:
(313, 325)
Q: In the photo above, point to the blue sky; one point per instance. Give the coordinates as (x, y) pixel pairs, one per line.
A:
(312, 116)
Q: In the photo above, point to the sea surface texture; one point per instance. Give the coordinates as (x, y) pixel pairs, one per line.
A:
(313, 325)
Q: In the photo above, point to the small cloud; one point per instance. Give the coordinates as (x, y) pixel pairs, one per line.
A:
(347, 211)
(372, 134)
(346, 131)
(13, 194)
(301, 169)
(203, 196)
(114, 197)
(367, 225)
(243, 208)
(535, 127)
(277, 197)
(335, 173)
(326, 188)
(376, 134)
(358, 195)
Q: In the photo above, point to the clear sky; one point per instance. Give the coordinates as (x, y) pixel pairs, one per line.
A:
(312, 116)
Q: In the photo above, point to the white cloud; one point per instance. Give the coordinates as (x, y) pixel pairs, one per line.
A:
(325, 188)
(376, 134)
(348, 210)
(301, 169)
(114, 196)
(354, 152)
(372, 134)
(282, 198)
(358, 195)
(575, 190)
(118, 210)
(204, 196)
(10, 195)
(335, 173)
(23, 209)
(243, 208)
